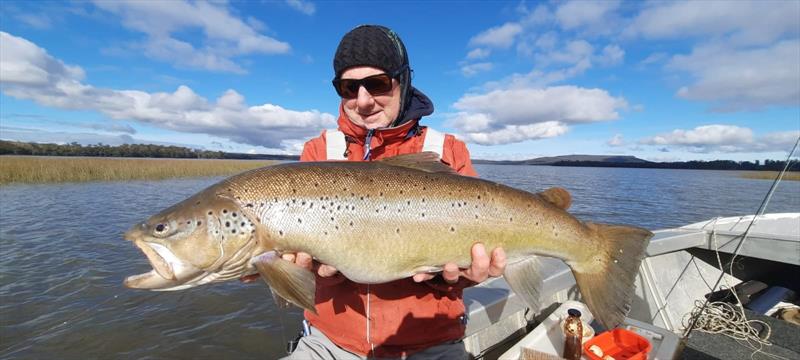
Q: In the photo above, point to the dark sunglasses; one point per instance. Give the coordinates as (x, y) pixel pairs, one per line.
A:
(375, 85)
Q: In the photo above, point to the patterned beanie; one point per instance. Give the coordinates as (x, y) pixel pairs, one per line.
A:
(370, 45)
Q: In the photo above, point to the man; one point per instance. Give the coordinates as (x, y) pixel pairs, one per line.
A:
(420, 317)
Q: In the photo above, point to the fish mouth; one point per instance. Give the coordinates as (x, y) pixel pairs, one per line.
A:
(169, 272)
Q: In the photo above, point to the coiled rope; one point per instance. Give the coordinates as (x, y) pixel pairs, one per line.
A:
(726, 319)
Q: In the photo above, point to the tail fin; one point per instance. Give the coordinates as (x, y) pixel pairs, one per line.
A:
(606, 280)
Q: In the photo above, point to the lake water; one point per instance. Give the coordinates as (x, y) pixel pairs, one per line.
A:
(62, 260)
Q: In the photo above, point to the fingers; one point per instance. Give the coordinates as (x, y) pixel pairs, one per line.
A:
(450, 273)
(423, 277)
(326, 270)
(498, 262)
(479, 269)
(304, 260)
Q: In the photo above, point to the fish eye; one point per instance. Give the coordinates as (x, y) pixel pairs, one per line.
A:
(161, 229)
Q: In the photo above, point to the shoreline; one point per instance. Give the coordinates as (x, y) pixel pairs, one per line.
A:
(31, 169)
(55, 169)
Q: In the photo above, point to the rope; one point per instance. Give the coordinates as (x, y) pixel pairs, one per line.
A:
(723, 318)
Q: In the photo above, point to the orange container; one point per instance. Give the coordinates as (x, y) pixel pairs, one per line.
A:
(619, 344)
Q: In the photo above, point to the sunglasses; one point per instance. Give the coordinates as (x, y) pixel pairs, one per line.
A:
(375, 85)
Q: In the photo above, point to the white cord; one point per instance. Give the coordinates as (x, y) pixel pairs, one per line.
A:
(723, 318)
(369, 337)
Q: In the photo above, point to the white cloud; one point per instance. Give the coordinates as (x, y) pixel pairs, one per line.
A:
(28, 72)
(225, 36)
(517, 133)
(497, 37)
(654, 58)
(617, 140)
(723, 138)
(478, 53)
(744, 22)
(512, 115)
(304, 7)
(742, 79)
(37, 21)
(612, 55)
(585, 14)
(472, 69)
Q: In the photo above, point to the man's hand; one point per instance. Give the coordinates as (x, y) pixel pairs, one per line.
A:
(304, 260)
(482, 267)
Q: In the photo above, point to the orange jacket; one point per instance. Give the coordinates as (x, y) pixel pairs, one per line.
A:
(405, 316)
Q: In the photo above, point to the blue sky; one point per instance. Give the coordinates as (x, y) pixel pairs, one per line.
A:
(663, 81)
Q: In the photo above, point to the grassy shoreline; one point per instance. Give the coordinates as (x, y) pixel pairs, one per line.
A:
(769, 175)
(52, 169)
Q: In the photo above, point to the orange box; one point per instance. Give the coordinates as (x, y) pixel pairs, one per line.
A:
(620, 344)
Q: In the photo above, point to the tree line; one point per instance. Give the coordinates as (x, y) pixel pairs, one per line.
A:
(124, 150)
(169, 151)
(767, 165)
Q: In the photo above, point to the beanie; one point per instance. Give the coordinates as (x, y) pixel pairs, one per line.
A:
(370, 45)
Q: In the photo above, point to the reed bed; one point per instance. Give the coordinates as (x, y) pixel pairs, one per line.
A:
(34, 169)
(770, 175)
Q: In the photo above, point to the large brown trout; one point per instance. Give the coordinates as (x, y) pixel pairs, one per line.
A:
(377, 222)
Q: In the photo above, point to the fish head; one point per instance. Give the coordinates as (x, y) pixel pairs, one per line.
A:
(206, 238)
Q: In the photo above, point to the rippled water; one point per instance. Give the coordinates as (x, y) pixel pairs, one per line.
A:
(62, 260)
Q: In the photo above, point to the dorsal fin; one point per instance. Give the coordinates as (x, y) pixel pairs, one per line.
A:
(425, 161)
(557, 196)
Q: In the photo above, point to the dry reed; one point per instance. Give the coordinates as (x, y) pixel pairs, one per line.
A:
(34, 169)
(769, 175)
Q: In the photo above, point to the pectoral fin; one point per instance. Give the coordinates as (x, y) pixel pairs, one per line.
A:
(288, 281)
(523, 277)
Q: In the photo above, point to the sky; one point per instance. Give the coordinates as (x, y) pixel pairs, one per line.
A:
(662, 81)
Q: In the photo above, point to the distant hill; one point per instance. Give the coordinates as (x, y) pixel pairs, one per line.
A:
(552, 160)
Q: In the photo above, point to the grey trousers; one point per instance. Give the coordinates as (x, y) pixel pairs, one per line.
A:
(317, 346)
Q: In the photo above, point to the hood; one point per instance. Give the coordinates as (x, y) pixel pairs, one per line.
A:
(419, 106)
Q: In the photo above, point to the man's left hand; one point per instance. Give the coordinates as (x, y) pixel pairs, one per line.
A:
(482, 267)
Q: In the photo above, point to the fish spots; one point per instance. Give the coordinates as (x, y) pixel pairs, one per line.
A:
(397, 230)
(351, 224)
(299, 220)
(224, 211)
(227, 224)
(280, 232)
(210, 213)
(452, 229)
(199, 222)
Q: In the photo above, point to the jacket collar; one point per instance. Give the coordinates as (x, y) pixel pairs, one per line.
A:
(420, 106)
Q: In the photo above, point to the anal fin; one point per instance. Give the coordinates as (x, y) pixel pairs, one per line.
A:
(523, 277)
(287, 281)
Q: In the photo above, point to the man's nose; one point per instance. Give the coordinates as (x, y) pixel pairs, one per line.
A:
(364, 100)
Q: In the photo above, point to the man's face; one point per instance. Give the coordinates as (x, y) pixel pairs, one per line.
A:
(371, 111)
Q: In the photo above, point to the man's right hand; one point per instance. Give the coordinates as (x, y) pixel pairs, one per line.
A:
(305, 260)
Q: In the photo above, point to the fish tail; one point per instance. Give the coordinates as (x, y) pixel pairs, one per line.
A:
(607, 278)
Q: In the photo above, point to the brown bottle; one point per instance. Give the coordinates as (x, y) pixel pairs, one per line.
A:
(573, 335)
